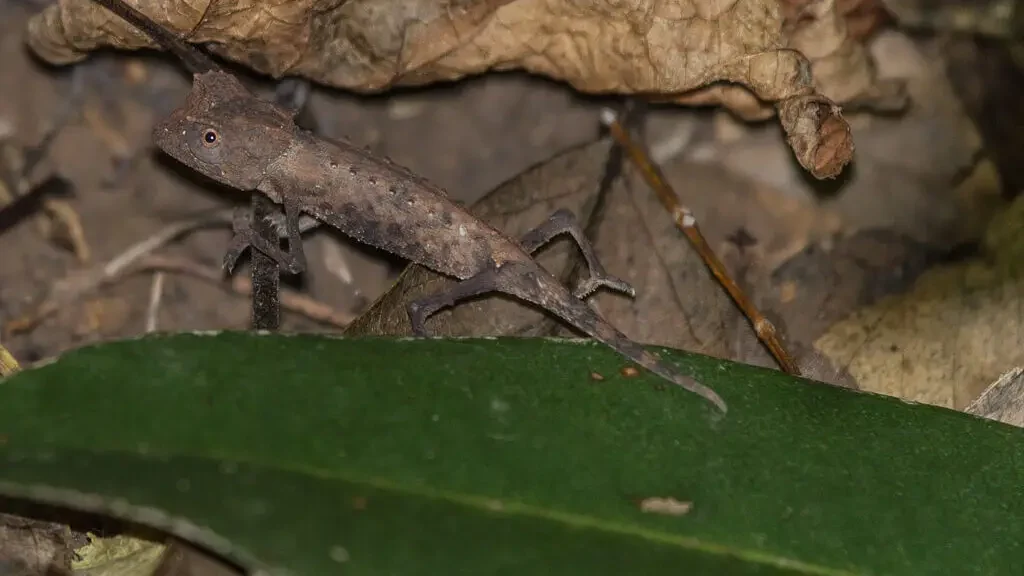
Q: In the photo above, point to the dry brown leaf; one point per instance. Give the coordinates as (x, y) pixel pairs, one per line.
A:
(952, 335)
(674, 49)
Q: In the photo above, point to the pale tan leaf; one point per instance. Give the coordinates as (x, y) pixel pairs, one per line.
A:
(670, 49)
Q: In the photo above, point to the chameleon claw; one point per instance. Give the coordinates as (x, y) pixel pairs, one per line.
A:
(591, 284)
(238, 245)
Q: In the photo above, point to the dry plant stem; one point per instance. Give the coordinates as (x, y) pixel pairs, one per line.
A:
(290, 300)
(8, 365)
(686, 222)
(265, 273)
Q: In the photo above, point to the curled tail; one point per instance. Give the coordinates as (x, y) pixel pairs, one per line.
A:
(553, 296)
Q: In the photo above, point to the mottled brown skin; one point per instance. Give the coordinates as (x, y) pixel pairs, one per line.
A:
(226, 133)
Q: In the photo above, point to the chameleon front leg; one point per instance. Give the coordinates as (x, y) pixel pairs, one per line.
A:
(294, 260)
(564, 222)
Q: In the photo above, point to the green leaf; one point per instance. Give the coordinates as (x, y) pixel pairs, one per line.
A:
(312, 455)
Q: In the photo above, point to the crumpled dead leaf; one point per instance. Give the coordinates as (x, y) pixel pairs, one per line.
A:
(674, 49)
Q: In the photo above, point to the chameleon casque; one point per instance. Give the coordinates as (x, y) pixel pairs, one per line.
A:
(228, 134)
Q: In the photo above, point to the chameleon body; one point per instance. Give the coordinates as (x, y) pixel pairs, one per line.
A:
(228, 134)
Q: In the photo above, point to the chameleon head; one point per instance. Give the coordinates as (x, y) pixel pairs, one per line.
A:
(225, 132)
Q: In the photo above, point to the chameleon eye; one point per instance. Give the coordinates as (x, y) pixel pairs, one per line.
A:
(205, 143)
(210, 138)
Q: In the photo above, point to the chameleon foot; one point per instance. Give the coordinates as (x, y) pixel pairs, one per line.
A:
(564, 222)
(293, 261)
(238, 245)
(598, 279)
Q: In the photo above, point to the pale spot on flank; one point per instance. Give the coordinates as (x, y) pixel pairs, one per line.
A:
(462, 230)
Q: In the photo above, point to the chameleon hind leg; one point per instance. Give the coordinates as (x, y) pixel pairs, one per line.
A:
(494, 280)
(294, 260)
(564, 222)
(507, 280)
(422, 308)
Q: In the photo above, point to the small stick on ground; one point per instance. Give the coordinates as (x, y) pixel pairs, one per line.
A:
(686, 222)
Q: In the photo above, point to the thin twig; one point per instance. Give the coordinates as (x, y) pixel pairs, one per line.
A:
(265, 273)
(686, 222)
(290, 300)
(156, 293)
